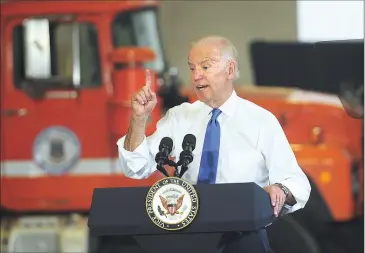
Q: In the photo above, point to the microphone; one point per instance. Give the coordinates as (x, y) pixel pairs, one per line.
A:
(161, 158)
(186, 156)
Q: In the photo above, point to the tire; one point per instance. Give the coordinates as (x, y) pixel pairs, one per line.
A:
(286, 235)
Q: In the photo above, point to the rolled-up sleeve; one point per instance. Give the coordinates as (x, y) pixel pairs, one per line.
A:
(140, 163)
(282, 164)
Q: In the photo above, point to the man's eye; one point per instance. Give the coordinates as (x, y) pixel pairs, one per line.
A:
(205, 67)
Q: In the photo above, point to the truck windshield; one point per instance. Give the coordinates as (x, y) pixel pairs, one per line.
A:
(139, 28)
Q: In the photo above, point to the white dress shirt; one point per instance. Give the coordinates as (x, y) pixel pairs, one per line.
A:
(253, 147)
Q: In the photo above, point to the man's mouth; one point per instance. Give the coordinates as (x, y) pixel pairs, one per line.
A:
(201, 87)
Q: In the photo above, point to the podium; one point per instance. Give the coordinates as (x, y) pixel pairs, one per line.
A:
(120, 215)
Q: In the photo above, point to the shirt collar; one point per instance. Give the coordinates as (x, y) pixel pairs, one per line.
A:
(228, 108)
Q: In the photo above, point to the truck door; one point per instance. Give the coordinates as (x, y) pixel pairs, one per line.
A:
(53, 122)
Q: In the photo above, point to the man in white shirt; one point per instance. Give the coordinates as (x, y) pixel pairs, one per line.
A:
(246, 142)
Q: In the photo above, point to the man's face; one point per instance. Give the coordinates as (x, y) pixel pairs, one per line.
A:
(210, 74)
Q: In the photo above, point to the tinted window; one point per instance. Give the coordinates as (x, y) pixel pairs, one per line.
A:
(66, 52)
(139, 28)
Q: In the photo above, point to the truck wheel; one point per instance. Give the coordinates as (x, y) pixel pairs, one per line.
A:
(286, 235)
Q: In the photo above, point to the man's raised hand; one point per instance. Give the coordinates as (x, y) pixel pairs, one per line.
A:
(144, 101)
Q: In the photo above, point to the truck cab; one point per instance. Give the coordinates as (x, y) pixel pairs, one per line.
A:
(68, 70)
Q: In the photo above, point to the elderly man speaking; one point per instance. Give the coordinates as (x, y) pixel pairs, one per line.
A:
(249, 143)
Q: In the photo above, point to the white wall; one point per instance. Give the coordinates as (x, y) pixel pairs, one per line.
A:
(330, 20)
(240, 21)
(244, 21)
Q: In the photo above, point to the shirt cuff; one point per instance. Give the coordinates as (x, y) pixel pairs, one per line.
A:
(300, 193)
(134, 160)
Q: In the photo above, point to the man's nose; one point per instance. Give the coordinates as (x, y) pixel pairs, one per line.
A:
(197, 75)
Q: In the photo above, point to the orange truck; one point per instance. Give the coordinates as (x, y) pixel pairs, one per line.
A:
(328, 146)
(323, 120)
(68, 70)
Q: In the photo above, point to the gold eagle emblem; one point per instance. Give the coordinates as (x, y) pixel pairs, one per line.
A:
(172, 208)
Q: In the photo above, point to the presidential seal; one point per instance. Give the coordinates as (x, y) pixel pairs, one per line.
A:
(56, 150)
(172, 203)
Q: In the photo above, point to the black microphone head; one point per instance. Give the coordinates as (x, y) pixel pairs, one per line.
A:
(166, 143)
(189, 140)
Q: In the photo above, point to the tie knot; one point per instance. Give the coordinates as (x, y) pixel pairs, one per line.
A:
(215, 113)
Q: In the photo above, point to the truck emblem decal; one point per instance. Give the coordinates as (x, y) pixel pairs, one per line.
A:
(56, 150)
(57, 153)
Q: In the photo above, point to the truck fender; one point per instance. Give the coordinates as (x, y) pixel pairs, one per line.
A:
(316, 206)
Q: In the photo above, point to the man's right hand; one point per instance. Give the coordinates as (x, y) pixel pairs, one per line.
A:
(143, 102)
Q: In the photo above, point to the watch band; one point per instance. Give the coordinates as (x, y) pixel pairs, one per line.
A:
(284, 189)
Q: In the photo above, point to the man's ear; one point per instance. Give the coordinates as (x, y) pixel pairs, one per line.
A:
(231, 70)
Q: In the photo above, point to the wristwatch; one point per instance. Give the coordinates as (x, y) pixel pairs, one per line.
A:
(284, 189)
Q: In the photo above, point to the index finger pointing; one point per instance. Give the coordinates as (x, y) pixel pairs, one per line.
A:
(148, 79)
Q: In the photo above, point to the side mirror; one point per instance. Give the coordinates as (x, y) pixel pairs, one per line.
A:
(38, 54)
(37, 49)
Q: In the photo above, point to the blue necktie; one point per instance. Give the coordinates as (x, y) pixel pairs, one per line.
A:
(210, 153)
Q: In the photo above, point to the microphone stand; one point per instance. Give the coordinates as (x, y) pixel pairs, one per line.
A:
(162, 170)
(171, 163)
(184, 168)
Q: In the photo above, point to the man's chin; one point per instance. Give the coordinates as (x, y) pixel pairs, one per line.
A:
(201, 97)
(206, 100)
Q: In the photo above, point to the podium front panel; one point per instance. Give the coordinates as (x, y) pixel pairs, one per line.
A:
(222, 208)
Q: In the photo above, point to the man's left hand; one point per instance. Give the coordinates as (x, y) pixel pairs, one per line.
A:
(277, 197)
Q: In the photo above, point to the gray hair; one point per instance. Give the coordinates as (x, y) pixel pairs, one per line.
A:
(228, 50)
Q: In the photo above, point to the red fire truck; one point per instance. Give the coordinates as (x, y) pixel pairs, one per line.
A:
(68, 70)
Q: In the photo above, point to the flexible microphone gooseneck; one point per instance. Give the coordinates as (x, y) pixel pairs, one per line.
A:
(161, 158)
(186, 156)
